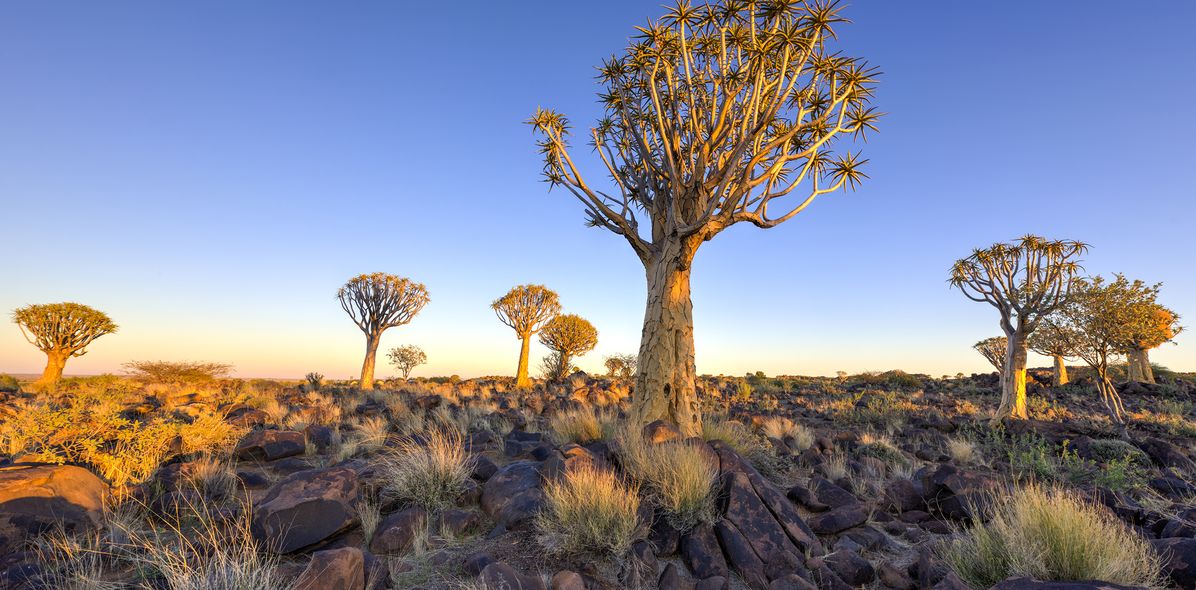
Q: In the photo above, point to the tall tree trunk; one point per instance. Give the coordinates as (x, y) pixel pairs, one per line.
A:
(665, 387)
(1138, 366)
(371, 354)
(55, 363)
(1013, 381)
(1060, 375)
(521, 379)
(1147, 370)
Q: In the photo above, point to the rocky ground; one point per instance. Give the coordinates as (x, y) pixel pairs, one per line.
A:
(822, 483)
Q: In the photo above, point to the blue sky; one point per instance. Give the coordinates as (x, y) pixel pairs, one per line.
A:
(209, 174)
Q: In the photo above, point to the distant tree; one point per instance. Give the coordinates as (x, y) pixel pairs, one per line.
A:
(620, 365)
(714, 114)
(552, 368)
(405, 358)
(177, 371)
(993, 350)
(62, 331)
(1152, 334)
(377, 302)
(1051, 339)
(526, 309)
(314, 381)
(1103, 318)
(1025, 280)
(569, 336)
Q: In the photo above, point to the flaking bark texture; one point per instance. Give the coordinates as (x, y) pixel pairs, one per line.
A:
(1013, 382)
(665, 378)
(1138, 366)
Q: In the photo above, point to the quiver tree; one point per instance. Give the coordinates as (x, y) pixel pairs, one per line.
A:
(62, 331)
(526, 309)
(1104, 317)
(407, 357)
(714, 115)
(620, 365)
(1162, 327)
(1025, 280)
(568, 336)
(993, 351)
(377, 302)
(1053, 340)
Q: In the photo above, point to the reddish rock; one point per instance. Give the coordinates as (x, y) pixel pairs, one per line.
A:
(38, 498)
(270, 445)
(334, 569)
(396, 534)
(306, 508)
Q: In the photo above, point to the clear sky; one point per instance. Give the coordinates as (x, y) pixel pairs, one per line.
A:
(209, 173)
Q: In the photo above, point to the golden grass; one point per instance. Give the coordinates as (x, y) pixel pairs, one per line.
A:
(429, 471)
(1052, 534)
(589, 511)
(678, 477)
(582, 425)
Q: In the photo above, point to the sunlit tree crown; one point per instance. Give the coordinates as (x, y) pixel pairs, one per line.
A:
(526, 308)
(62, 327)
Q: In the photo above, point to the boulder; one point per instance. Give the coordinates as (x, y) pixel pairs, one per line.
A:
(306, 508)
(956, 494)
(334, 569)
(850, 567)
(270, 445)
(1179, 560)
(1166, 454)
(396, 534)
(38, 498)
(513, 495)
(501, 575)
(701, 552)
(838, 520)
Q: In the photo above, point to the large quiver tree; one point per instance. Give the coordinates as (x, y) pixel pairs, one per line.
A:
(1025, 280)
(62, 331)
(377, 302)
(1161, 327)
(714, 114)
(526, 309)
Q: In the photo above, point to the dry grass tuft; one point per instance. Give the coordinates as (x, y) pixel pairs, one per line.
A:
(429, 471)
(677, 476)
(583, 425)
(962, 450)
(1051, 534)
(588, 512)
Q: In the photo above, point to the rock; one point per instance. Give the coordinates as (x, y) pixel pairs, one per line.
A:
(893, 577)
(459, 523)
(318, 435)
(701, 552)
(501, 575)
(513, 495)
(660, 431)
(1023, 583)
(670, 579)
(805, 497)
(839, 519)
(712, 583)
(832, 495)
(474, 564)
(306, 508)
(904, 495)
(791, 582)
(1179, 560)
(957, 494)
(396, 534)
(245, 416)
(484, 468)
(850, 567)
(1173, 487)
(270, 445)
(760, 511)
(38, 498)
(742, 557)
(1166, 454)
(334, 569)
(567, 580)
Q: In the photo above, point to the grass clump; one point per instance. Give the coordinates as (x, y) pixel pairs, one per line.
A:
(678, 477)
(429, 471)
(582, 425)
(1053, 535)
(588, 511)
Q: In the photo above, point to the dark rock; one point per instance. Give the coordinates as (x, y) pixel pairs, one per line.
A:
(894, 577)
(839, 519)
(760, 511)
(904, 495)
(318, 435)
(567, 580)
(670, 579)
(1179, 560)
(850, 567)
(742, 557)
(831, 494)
(396, 534)
(1166, 454)
(806, 498)
(957, 494)
(701, 552)
(306, 508)
(514, 494)
(1022, 583)
(459, 523)
(1173, 487)
(664, 536)
(484, 468)
(334, 569)
(270, 445)
(38, 498)
(474, 564)
(501, 575)
(712, 583)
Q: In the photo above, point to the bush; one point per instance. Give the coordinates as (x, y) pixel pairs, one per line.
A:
(679, 477)
(1052, 535)
(429, 473)
(9, 384)
(588, 512)
(177, 371)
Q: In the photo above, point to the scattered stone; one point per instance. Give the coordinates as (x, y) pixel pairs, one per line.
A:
(270, 445)
(306, 508)
(396, 534)
(334, 569)
(839, 519)
(38, 498)
(1179, 560)
(501, 575)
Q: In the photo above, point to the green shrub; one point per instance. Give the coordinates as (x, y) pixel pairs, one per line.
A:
(1051, 534)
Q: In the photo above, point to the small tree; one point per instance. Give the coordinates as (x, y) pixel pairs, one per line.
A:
(1056, 342)
(177, 371)
(1025, 280)
(62, 331)
(377, 302)
(1153, 334)
(405, 358)
(568, 336)
(1103, 318)
(620, 365)
(993, 350)
(714, 115)
(526, 309)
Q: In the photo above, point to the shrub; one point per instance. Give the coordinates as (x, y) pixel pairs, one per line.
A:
(429, 473)
(9, 384)
(589, 511)
(177, 371)
(1050, 534)
(678, 477)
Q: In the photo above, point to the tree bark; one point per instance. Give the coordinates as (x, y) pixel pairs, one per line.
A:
(1013, 381)
(371, 354)
(55, 363)
(521, 379)
(1138, 366)
(1060, 375)
(665, 387)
